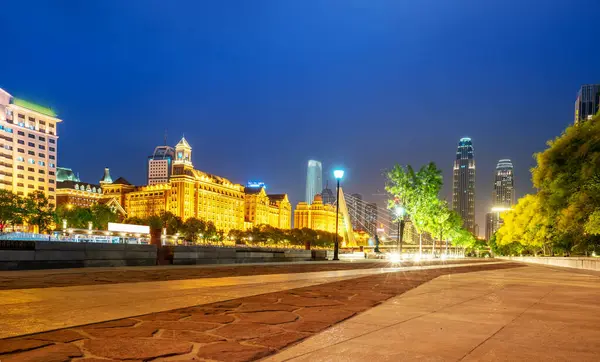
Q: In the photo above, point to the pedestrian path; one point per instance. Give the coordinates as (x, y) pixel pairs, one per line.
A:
(529, 313)
(26, 311)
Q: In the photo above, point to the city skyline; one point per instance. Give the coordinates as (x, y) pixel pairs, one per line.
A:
(236, 94)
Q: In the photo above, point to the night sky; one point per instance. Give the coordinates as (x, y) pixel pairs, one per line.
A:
(259, 87)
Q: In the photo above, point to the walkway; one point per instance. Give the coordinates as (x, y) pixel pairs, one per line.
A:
(531, 313)
(35, 310)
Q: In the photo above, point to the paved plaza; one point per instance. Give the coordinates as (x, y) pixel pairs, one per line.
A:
(477, 310)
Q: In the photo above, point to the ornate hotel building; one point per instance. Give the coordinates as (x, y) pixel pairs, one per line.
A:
(28, 147)
(193, 193)
(317, 216)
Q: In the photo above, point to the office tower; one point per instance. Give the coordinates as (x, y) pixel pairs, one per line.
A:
(586, 104)
(504, 184)
(463, 194)
(160, 165)
(503, 196)
(356, 209)
(371, 218)
(28, 147)
(327, 195)
(314, 180)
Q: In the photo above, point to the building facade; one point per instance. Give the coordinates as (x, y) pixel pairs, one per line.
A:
(317, 216)
(371, 218)
(193, 193)
(503, 196)
(463, 190)
(328, 195)
(28, 147)
(314, 180)
(587, 102)
(356, 209)
(160, 165)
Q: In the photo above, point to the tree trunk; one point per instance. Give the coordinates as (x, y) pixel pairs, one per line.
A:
(420, 244)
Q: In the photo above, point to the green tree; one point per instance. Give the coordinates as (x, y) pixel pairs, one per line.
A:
(11, 209)
(102, 215)
(38, 211)
(171, 222)
(192, 228)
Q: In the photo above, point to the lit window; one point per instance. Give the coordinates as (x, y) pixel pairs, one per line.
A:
(42, 163)
(31, 161)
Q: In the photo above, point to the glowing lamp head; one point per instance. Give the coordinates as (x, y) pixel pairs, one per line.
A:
(395, 258)
(400, 211)
(338, 174)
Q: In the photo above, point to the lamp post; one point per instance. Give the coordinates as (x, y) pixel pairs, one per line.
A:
(400, 213)
(338, 174)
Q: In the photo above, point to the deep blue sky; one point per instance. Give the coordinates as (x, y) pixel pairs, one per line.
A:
(259, 87)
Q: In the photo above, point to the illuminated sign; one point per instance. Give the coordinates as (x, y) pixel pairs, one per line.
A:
(256, 184)
(128, 228)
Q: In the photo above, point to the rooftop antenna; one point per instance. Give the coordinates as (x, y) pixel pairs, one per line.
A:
(165, 137)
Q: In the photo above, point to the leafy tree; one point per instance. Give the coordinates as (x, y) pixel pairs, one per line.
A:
(171, 222)
(192, 228)
(11, 209)
(38, 211)
(102, 215)
(592, 226)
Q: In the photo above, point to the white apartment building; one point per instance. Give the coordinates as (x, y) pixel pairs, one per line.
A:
(28, 147)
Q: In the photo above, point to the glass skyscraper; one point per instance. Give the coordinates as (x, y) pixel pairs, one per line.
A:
(314, 180)
(463, 193)
(587, 102)
(503, 196)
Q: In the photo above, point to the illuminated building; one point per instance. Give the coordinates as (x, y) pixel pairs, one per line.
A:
(193, 193)
(314, 180)
(587, 102)
(66, 174)
(356, 209)
(256, 184)
(28, 147)
(503, 196)
(160, 165)
(371, 218)
(327, 195)
(316, 216)
(463, 193)
(263, 209)
(504, 184)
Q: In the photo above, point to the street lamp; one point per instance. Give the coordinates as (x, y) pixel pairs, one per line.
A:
(338, 174)
(400, 213)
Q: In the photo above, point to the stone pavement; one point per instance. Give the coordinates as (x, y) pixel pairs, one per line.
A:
(240, 329)
(522, 314)
(34, 310)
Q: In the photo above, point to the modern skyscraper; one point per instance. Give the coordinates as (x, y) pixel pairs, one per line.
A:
(28, 147)
(356, 209)
(463, 194)
(160, 165)
(586, 104)
(371, 218)
(503, 196)
(314, 180)
(327, 195)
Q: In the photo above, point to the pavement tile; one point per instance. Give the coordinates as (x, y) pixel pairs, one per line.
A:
(126, 332)
(209, 318)
(52, 353)
(232, 352)
(279, 341)
(143, 349)
(20, 344)
(271, 317)
(265, 307)
(163, 316)
(241, 331)
(190, 336)
(114, 324)
(191, 326)
(63, 335)
(329, 315)
(308, 302)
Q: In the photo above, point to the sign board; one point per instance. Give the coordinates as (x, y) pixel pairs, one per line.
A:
(128, 228)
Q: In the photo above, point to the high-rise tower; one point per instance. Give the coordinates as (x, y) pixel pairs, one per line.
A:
(314, 180)
(503, 196)
(463, 195)
(587, 102)
(160, 165)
